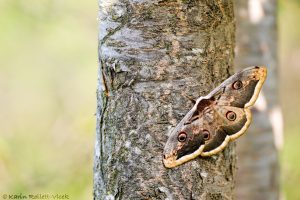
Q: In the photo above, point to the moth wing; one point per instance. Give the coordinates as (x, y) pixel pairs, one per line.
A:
(215, 119)
(224, 123)
(240, 90)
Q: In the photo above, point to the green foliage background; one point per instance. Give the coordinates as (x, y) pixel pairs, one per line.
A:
(289, 74)
(48, 77)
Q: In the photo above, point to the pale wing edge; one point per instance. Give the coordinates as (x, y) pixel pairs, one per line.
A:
(231, 137)
(257, 89)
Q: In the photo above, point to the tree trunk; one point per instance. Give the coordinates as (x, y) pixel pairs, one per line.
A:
(152, 54)
(258, 173)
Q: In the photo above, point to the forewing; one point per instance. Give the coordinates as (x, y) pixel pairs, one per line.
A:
(240, 90)
(176, 151)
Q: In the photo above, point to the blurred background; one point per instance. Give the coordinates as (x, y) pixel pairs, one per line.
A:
(48, 78)
(289, 81)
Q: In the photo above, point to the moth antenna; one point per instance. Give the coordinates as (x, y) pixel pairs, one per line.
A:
(190, 98)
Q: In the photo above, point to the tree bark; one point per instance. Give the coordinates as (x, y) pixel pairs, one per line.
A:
(151, 55)
(258, 173)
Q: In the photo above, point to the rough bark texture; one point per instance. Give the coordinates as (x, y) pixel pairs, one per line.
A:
(258, 173)
(152, 54)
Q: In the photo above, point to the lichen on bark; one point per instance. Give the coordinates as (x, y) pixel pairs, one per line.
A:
(152, 54)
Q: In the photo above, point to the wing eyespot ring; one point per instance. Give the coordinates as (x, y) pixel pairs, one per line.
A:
(237, 85)
(230, 115)
(182, 136)
(206, 135)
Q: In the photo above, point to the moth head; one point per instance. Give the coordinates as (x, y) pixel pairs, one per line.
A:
(185, 142)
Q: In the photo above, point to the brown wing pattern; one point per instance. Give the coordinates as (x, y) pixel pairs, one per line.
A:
(221, 116)
(229, 123)
(241, 90)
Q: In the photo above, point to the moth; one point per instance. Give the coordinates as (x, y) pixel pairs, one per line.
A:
(216, 119)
